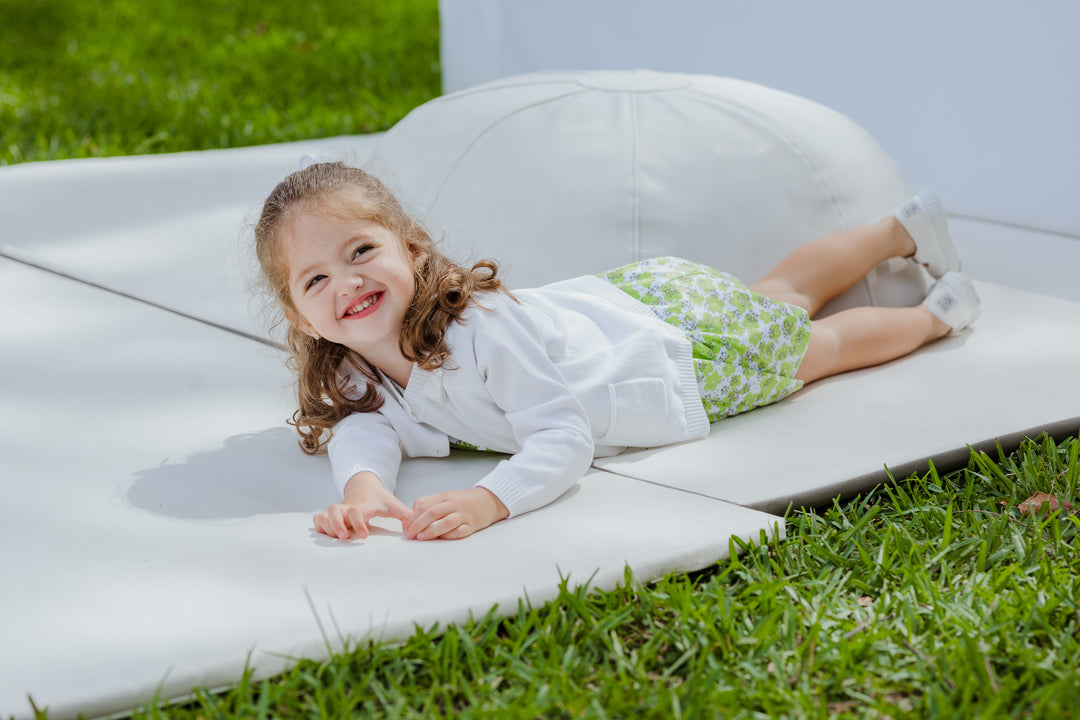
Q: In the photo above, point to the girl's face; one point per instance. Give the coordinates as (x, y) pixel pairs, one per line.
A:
(350, 280)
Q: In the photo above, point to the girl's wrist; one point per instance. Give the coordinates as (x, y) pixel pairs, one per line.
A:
(499, 511)
(362, 484)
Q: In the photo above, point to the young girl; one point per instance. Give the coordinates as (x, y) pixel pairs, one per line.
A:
(399, 350)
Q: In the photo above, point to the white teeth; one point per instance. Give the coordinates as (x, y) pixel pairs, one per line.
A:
(364, 305)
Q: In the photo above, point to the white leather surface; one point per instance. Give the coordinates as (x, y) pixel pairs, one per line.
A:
(1039, 262)
(156, 515)
(977, 98)
(1014, 371)
(170, 229)
(560, 174)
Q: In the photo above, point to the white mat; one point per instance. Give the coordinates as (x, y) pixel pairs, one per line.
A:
(156, 521)
(156, 510)
(1014, 372)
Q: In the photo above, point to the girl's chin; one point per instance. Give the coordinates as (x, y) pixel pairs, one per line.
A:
(370, 342)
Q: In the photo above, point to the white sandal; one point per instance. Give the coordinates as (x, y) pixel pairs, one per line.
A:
(953, 299)
(924, 219)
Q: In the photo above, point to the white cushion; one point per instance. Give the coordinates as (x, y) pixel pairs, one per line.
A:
(559, 174)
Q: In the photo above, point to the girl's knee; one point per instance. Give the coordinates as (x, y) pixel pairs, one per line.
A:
(820, 359)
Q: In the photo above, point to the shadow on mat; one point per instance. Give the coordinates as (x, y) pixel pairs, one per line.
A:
(255, 474)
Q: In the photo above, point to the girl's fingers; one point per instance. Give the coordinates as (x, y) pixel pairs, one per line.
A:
(421, 520)
(337, 523)
(355, 517)
(439, 528)
(341, 520)
(461, 531)
(324, 523)
(439, 521)
(397, 509)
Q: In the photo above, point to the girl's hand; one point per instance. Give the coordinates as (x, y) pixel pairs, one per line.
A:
(365, 498)
(454, 514)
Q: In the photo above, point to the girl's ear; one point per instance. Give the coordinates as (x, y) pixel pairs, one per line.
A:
(303, 325)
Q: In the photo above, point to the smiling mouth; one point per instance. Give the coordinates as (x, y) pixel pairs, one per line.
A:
(363, 305)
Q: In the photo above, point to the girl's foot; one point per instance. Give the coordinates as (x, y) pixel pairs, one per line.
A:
(953, 300)
(924, 219)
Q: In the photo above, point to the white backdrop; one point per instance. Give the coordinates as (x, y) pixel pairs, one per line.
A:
(977, 98)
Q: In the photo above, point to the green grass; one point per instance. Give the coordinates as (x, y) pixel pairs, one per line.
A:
(85, 78)
(933, 597)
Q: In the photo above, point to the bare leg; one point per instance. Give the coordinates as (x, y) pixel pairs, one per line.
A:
(820, 270)
(865, 336)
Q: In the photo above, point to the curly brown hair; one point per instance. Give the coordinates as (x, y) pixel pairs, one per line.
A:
(442, 292)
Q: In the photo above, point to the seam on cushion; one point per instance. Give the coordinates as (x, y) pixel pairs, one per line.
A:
(438, 188)
(635, 170)
(500, 84)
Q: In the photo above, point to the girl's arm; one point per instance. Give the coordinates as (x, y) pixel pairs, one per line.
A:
(364, 441)
(365, 455)
(548, 422)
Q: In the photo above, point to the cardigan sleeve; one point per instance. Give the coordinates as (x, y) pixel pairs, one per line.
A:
(364, 442)
(548, 422)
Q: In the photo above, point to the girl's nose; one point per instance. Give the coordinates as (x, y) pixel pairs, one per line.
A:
(352, 282)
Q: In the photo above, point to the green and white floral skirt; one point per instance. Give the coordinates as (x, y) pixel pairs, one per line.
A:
(747, 347)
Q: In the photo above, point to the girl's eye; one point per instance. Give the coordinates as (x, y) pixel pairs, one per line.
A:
(311, 283)
(360, 250)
